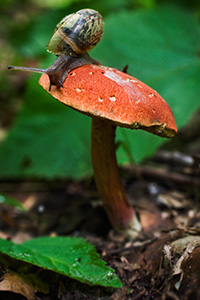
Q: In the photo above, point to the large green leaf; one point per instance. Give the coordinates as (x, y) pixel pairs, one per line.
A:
(55, 3)
(161, 48)
(73, 257)
(48, 140)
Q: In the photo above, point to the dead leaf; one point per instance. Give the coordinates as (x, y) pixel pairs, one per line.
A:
(11, 282)
(173, 200)
(178, 252)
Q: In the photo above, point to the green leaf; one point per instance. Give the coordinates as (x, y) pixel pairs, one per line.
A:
(50, 140)
(160, 46)
(161, 49)
(30, 40)
(73, 257)
(55, 3)
(4, 199)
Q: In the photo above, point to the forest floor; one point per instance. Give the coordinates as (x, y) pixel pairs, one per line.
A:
(162, 263)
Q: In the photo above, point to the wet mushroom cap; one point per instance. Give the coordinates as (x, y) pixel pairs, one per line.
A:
(111, 94)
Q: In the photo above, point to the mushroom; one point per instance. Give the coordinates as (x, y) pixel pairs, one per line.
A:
(113, 98)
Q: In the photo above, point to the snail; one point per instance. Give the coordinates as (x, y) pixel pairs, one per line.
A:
(74, 36)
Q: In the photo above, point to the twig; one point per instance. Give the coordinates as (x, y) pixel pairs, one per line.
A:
(168, 177)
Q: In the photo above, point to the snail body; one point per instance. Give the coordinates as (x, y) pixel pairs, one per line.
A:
(74, 36)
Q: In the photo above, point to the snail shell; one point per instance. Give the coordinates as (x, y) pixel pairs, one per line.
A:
(72, 38)
(77, 33)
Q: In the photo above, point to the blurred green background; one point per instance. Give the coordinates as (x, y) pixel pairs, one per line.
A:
(41, 138)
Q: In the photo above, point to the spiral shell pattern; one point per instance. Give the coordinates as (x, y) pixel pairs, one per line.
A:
(77, 33)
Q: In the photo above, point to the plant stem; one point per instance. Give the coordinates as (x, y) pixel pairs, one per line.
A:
(107, 178)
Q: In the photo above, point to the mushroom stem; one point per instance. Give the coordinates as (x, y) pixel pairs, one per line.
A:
(107, 178)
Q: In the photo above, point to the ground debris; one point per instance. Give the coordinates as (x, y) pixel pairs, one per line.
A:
(14, 283)
(162, 263)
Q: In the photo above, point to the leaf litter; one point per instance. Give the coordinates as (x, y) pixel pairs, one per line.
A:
(162, 263)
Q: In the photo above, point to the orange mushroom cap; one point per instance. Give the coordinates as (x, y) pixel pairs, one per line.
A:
(111, 94)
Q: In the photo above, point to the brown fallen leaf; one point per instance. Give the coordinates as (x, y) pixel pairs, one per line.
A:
(11, 282)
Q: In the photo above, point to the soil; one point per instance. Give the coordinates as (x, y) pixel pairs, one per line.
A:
(161, 263)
